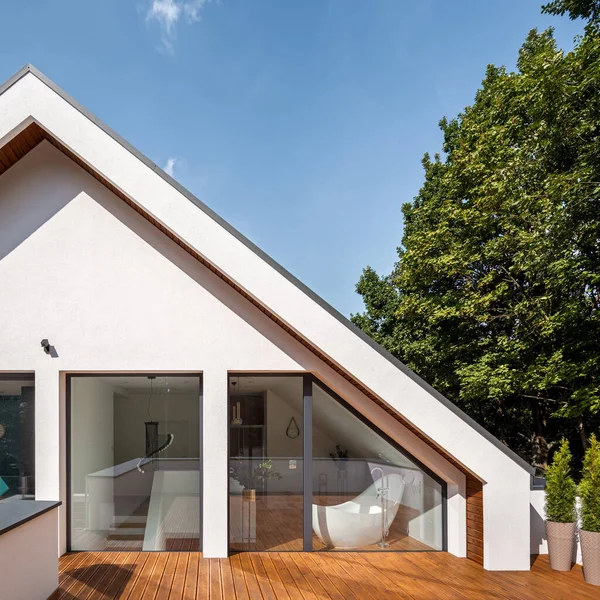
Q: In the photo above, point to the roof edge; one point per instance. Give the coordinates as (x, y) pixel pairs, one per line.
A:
(29, 68)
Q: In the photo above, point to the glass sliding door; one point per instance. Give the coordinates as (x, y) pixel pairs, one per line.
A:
(367, 493)
(17, 448)
(265, 462)
(134, 462)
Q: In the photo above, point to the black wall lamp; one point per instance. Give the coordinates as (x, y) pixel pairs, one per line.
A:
(49, 348)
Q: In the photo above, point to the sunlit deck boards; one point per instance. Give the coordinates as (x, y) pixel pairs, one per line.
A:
(305, 576)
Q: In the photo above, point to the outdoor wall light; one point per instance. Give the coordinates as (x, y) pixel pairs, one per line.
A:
(46, 346)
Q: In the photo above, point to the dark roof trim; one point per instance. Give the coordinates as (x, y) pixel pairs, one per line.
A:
(14, 513)
(281, 270)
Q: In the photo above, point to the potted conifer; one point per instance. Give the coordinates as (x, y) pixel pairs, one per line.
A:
(589, 492)
(560, 509)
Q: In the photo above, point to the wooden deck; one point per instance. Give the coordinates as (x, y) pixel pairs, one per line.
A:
(305, 576)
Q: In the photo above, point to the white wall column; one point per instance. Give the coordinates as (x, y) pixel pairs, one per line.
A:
(215, 467)
(506, 522)
(47, 432)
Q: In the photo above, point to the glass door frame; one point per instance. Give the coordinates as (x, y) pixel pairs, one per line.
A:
(68, 436)
(308, 379)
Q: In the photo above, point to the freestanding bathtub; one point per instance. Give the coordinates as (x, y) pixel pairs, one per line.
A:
(357, 523)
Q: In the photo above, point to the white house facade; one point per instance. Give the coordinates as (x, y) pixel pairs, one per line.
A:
(191, 394)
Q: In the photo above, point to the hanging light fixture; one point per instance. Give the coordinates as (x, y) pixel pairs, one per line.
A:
(236, 410)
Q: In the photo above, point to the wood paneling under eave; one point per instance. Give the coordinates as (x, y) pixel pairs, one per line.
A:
(15, 149)
(474, 520)
(31, 136)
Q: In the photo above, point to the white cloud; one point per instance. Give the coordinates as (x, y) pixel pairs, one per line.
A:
(169, 12)
(170, 166)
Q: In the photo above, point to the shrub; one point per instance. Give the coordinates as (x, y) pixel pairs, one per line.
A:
(589, 488)
(560, 487)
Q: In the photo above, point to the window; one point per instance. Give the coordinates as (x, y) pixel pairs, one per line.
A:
(367, 493)
(265, 463)
(308, 472)
(17, 439)
(135, 472)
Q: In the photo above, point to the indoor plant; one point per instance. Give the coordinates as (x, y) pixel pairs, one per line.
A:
(560, 509)
(589, 492)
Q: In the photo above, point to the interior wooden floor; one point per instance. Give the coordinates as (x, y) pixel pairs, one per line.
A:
(306, 576)
(279, 525)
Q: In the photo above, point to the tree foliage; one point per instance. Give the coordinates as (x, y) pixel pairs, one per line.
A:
(589, 488)
(495, 296)
(576, 9)
(560, 488)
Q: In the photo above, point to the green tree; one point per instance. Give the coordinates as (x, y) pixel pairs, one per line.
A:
(560, 488)
(576, 9)
(589, 488)
(494, 299)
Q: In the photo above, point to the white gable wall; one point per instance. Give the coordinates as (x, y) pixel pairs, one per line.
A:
(112, 294)
(506, 518)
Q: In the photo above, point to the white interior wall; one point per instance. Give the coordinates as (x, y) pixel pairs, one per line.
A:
(95, 311)
(180, 410)
(91, 429)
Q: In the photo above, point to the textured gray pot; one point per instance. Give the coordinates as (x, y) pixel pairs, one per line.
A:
(562, 545)
(590, 553)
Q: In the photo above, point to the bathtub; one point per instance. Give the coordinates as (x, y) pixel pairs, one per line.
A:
(357, 523)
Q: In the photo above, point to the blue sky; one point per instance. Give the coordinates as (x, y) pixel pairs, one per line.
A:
(301, 122)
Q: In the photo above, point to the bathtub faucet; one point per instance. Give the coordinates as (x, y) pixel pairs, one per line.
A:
(382, 492)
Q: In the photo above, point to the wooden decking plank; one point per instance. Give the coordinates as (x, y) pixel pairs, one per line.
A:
(66, 578)
(81, 575)
(279, 587)
(304, 576)
(286, 577)
(215, 588)
(239, 581)
(416, 583)
(298, 578)
(326, 563)
(354, 572)
(191, 577)
(226, 578)
(458, 581)
(66, 560)
(124, 575)
(261, 576)
(164, 589)
(156, 576)
(179, 577)
(103, 577)
(252, 586)
(203, 585)
(139, 586)
(317, 580)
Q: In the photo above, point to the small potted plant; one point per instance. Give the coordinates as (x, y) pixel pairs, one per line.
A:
(589, 492)
(340, 457)
(560, 509)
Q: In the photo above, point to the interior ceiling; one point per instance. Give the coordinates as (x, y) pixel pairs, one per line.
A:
(245, 384)
(160, 385)
(33, 134)
(13, 387)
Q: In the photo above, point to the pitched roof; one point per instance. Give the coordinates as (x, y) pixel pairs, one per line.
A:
(30, 69)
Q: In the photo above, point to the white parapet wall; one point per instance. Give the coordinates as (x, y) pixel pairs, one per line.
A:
(539, 542)
(28, 557)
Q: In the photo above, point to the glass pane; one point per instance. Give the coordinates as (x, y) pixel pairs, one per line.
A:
(265, 463)
(367, 494)
(17, 450)
(135, 466)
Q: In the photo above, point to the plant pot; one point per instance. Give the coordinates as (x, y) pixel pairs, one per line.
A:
(590, 553)
(561, 545)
